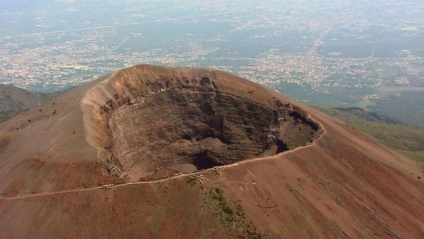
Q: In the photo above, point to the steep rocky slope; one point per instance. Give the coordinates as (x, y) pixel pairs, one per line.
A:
(284, 170)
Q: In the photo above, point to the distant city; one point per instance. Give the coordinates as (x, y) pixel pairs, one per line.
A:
(326, 53)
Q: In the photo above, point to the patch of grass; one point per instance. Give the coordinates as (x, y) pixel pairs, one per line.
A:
(191, 181)
(217, 171)
(232, 216)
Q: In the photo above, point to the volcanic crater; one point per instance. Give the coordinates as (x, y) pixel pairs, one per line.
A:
(156, 122)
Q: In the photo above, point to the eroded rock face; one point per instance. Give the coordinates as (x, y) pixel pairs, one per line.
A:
(184, 120)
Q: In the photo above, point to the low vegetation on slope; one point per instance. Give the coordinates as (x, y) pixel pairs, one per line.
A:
(229, 213)
(406, 139)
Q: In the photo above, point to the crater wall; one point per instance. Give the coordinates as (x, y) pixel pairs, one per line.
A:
(158, 122)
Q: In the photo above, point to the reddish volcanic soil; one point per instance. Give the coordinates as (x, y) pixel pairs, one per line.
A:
(196, 153)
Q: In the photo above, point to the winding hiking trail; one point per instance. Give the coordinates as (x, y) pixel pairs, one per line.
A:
(165, 179)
